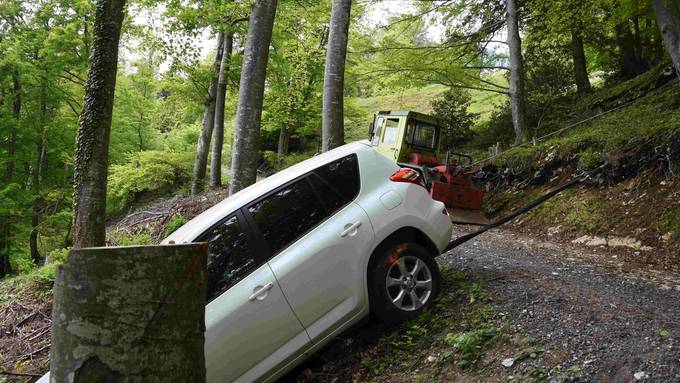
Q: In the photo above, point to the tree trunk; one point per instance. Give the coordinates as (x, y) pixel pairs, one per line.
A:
(629, 65)
(579, 57)
(11, 142)
(516, 86)
(332, 122)
(250, 96)
(38, 201)
(218, 139)
(668, 20)
(39, 169)
(5, 227)
(284, 138)
(207, 124)
(136, 315)
(92, 142)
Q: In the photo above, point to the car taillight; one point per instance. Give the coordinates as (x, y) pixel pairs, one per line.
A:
(407, 175)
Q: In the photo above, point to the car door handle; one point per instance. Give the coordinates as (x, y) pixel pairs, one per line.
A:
(258, 294)
(350, 228)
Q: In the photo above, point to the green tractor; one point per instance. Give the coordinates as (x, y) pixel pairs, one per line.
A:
(414, 140)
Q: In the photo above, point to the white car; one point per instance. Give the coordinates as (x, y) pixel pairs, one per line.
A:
(299, 257)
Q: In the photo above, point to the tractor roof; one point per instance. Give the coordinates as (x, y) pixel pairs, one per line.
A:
(419, 116)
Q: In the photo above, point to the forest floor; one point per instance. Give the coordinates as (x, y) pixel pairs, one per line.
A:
(519, 308)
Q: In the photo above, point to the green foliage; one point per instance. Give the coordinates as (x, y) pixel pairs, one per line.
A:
(144, 172)
(139, 239)
(470, 345)
(174, 223)
(451, 107)
(272, 162)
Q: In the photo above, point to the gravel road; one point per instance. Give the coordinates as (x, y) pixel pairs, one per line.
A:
(597, 319)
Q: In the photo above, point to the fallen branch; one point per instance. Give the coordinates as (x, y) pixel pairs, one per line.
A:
(12, 373)
(30, 354)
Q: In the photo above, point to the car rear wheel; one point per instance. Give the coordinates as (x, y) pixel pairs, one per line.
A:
(404, 281)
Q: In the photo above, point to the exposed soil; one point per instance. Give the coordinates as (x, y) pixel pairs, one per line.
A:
(586, 318)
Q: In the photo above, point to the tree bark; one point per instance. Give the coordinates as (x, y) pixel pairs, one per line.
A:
(629, 65)
(668, 19)
(92, 142)
(332, 122)
(130, 314)
(284, 139)
(39, 169)
(11, 143)
(580, 68)
(5, 228)
(38, 200)
(207, 124)
(516, 86)
(250, 96)
(218, 139)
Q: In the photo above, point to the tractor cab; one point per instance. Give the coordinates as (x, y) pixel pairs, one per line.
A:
(414, 140)
(398, 134)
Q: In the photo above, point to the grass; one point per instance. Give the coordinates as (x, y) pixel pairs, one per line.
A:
(455, 334)
(611, 136)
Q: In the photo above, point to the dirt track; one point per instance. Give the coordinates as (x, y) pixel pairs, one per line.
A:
(597, 323)
(594, 319)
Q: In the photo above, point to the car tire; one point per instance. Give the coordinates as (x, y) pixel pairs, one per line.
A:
(396, 293)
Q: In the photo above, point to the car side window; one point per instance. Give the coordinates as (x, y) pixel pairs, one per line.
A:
(288, 213)
(343, 176)
(229, 257)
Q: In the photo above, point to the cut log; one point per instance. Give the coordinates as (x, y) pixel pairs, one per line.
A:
(130, 314)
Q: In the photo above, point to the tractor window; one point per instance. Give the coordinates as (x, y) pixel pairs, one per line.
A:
(391, 131)
(422, 134)
(377, 130)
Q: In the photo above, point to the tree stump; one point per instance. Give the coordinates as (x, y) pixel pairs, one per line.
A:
(130, 314)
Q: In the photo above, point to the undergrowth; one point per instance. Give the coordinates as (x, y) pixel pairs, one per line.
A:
(455, 333)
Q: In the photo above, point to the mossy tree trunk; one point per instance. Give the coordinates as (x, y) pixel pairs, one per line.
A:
(332, 122)
(92, 142)
(246, 144)
(130, 314)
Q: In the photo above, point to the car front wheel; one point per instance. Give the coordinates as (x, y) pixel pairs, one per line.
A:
(404, 281)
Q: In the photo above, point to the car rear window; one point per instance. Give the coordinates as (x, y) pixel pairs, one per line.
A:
(343, 176)
(287, 214)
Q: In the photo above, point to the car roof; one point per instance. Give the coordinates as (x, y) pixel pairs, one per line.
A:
(214, 214)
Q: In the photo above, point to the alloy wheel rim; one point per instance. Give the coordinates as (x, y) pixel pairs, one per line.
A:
(409, 283)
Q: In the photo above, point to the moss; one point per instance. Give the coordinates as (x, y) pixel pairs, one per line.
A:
(670, 222)
(574, 210)
(649, 115)
(590, 159)
(142, 238)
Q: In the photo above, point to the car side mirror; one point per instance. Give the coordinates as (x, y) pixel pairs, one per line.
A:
(371, 130)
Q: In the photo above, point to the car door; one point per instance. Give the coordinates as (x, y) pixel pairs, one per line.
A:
(322, 274)
(250, 328)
